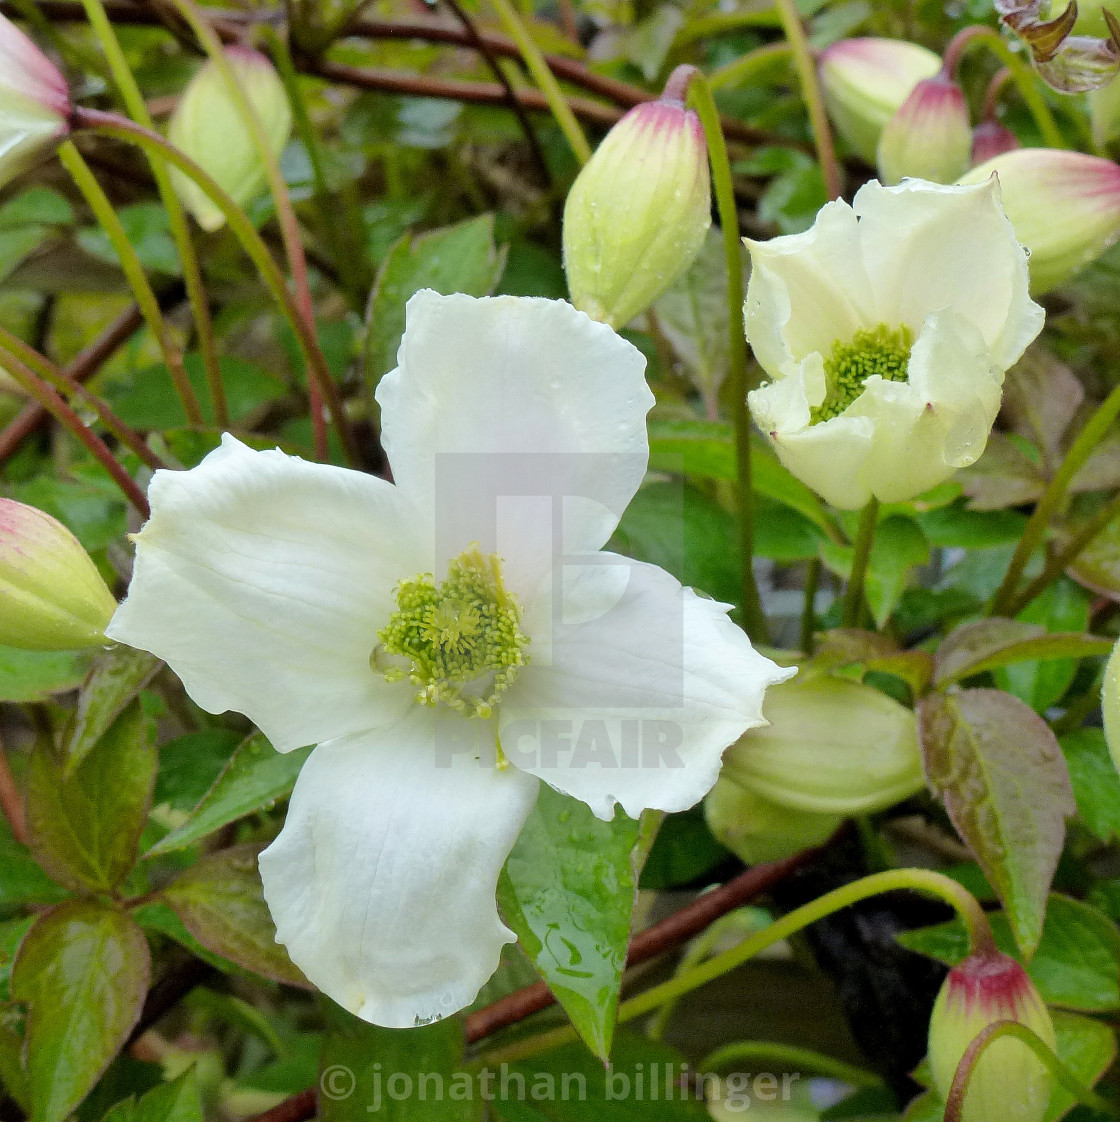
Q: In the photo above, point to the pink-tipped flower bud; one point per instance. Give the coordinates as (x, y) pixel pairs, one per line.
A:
(636, 216)
(209, 128)
(864, 81)
(930, 137)
(1008, 1082)
(991, 139)
(1064, 207)
(52, 597)
(34, 103)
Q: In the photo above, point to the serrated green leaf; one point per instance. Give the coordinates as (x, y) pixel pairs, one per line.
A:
(255, 777)
(567, 891)
(221, 903)
(84, 830)
(1096, 784)
(35, 675)
(83, 970)
(999, 769)
(177, 1101)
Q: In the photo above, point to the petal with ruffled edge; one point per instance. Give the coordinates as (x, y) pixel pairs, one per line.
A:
(382, 881)
(262, 580)
(634, 688)
(501, 405)
(928, 247)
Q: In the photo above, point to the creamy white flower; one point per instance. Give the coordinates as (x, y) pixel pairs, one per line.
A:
(886, 330)
(374, 620)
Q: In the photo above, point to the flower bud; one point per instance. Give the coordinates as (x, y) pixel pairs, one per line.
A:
(208, 127)
(865, 81)
(34, 103)
(52, 597)
(1064, 207)
(991, 139)
(756, 829)
(1110, 704)
(833, 746)
(930, 136)
(1009, 1082)
(636, 216)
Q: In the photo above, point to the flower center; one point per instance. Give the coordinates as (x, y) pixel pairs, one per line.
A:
(880, 351)
(459, 641)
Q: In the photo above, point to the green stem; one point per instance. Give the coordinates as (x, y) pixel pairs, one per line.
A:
(701, 99)
(545, 79)
(914, 880)
(790, 1057)
(811, 93)
(861, 555)
(1035, 530)
(177, 220)
(105, 214)
(698, 950)
(739, 71)
(809, 607)
(110, 125)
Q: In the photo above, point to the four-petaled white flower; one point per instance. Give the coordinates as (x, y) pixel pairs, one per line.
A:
(440, 644)
(886, 330)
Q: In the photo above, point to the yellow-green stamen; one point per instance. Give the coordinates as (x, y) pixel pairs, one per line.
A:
(882, 351)
(459, 641)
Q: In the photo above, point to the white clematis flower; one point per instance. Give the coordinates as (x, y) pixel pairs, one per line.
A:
(886, 330)
(442, 646)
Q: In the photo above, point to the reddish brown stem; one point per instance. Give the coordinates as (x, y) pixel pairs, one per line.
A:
(298, 1108)
(10, 801)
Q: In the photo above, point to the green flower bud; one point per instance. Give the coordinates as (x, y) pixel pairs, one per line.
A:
(1009, 1082)
(929, 137)
(1110, 704)
(756, 829)
(865, 81)
(207, 126)
(833, 746)
(636, 216)
(52, 597)
(1064, 207)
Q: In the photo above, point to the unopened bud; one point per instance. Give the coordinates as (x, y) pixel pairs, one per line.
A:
(636, 216)
(209, 128)
(930, 136)
(1009, 1082)
(1064, 207)
(34, 103)
(991, 139)
(52, 597)
(833, 746)
(865, 81)
(756, 829)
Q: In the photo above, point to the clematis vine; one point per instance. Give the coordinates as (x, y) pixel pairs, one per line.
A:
(448, 641)
(886, 330)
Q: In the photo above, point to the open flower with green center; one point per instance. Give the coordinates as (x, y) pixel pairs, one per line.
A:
(886, 330)
(447, 641)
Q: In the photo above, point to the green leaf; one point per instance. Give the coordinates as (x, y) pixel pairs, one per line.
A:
(401, 1075)
(177, 1101)
(83, 970)
(1087, 1048)
(221, 903)
(118, 675)
(1077, 963)
(567, 891)
(959, 526)
(158, 918)
(11, 935)
(22, 880)
(460, 258)
(36, 205)
(85, 828)
(254, 779)
(35, 675)
(147, 227)
(189, 765)
(999, 769)
(1096, 784)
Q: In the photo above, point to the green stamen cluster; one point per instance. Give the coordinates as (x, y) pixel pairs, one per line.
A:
(460, 641)
(881, 351)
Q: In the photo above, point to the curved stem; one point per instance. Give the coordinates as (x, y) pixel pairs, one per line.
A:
(701, 99)
(110, 125)
(789, 1056)
(1035, 530)
(865, 538)
(106, 215)
(811, 93)
(545, 79)
(177, 220)
(740, 70)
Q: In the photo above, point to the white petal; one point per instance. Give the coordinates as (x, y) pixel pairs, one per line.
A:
(927, 247)
(807, 290)
(501, 405)
(263, 580)
(634, 688)
(382, 882)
